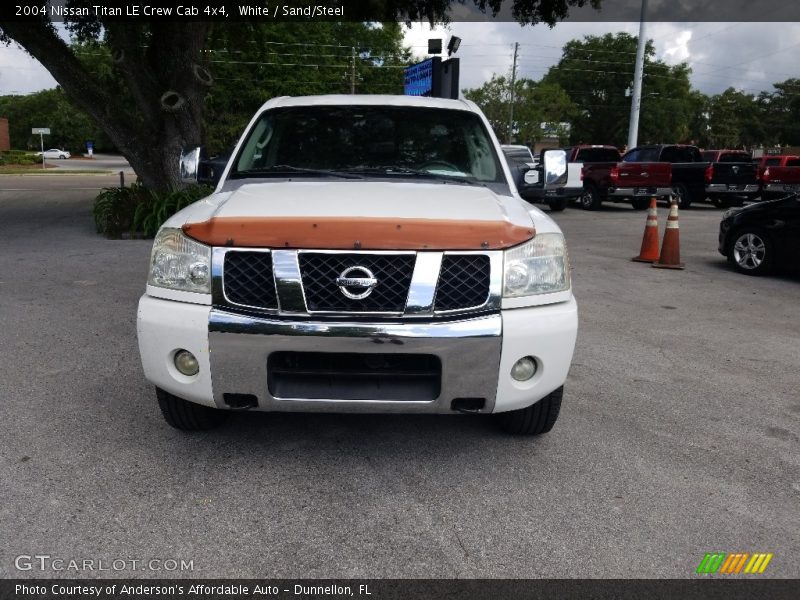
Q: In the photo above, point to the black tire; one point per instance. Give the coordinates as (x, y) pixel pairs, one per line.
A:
(535, 419)
(751, 251)
(188, 416)
(590, 199)
(557, 204)
(681, 192)
(62, 157)
(640, 203)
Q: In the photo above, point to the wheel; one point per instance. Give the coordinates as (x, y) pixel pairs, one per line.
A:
(590, 199)
(681, 193)
(535, 419)
(557, 204)
(640, 203)
(62, 157)
(188, 416)
(751, 251)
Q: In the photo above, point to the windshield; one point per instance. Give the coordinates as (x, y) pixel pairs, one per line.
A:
(386, 141)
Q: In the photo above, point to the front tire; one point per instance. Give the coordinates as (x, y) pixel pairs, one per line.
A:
(536, 419)
(681, 193)
(558, 204)
(751, 251)
(590, 199)
(188, 416)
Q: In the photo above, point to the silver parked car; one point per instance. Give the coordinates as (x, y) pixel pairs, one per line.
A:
(54, 153)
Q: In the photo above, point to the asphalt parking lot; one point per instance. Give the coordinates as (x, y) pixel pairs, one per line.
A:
(679, 433)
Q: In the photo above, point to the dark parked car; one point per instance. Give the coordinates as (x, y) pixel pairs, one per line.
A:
(763, 236)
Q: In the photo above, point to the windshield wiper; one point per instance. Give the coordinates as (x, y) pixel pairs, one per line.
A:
(278, 170)
(397, 170)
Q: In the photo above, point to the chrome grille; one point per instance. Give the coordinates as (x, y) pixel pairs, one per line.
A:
(319, 272)
(407, 284)
(248, 279)
(463, 282)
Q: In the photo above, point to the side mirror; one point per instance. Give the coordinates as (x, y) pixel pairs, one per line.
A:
(555, 168)
(190, 164)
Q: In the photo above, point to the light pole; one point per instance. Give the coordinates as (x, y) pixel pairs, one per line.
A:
(636, 100)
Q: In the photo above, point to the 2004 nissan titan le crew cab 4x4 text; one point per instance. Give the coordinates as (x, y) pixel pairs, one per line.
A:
(361, 254)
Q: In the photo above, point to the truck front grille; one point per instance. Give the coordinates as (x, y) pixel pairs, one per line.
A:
(320, 271)
(298, 282)
(248, 279)
(463, 282)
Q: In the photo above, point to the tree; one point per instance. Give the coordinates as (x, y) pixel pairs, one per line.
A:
(781, 113)
(734, 120)
(162, 75)
(70, 127)
(535, 104)
(597, 74)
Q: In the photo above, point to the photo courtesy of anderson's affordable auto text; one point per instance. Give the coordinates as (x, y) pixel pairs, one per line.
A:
(394, 300)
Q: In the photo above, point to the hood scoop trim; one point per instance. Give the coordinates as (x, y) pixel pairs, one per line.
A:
(358, 233)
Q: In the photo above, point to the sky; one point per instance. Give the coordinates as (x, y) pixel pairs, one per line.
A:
(747, 56)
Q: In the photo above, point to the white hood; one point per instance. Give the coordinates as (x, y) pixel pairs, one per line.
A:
(359, 214)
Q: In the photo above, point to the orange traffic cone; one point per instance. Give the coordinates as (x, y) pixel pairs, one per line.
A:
(649, 251)
(671, 249)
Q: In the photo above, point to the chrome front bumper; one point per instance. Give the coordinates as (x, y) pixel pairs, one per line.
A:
(469, 351)
(721, 188)
(782, 187)
(641, 191)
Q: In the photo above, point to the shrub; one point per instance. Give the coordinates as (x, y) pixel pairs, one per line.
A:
(138, 211)
(156, 209)
(19, 157)
(114, 209)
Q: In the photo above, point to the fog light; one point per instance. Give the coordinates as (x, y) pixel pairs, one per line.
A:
(524, 369)
(186, 363)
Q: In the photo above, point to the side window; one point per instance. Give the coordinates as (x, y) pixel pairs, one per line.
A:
(671, 154)
(649, 155)
(693, 154)
(773, 162)
(632, 156)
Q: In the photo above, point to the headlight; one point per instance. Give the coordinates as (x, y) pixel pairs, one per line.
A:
(180, 263)
(539, 266)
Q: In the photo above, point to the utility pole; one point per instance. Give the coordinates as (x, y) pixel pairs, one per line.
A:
(636, 101)
(511, 109)
(353, 70)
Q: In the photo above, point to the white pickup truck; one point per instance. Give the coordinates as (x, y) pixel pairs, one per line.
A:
(361, 254)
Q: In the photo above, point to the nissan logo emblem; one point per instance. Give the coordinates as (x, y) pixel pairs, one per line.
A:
(359, 279)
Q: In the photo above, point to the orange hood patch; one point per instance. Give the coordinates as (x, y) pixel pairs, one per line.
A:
(358, 233)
